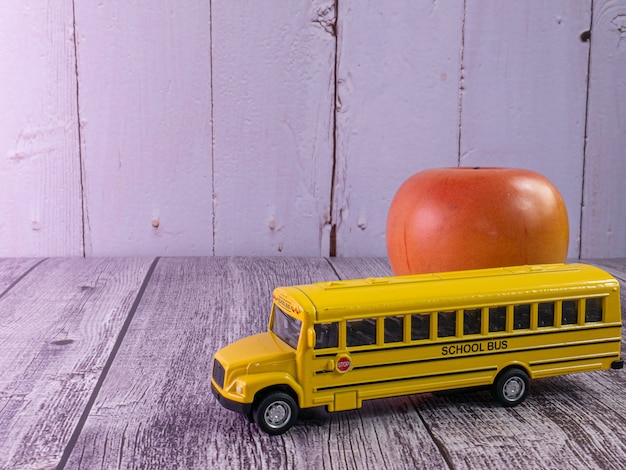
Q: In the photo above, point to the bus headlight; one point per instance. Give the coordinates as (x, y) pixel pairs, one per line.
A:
(240, 387)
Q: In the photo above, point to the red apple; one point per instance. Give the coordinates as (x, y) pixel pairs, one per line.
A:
(452, 219)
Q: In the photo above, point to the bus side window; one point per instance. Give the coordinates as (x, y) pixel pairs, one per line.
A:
(361, 332)
(569, 312)
(497, 319)
(471, 321)
(446, 324)
(394, 329)
(546, 314)
(420, 326)
(326, 335)
(521, 317)
(593, 310)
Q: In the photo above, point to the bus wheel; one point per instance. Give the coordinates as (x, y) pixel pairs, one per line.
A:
(511, 387)
(276, 412)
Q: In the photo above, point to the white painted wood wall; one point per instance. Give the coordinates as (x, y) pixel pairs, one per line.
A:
(232, 127)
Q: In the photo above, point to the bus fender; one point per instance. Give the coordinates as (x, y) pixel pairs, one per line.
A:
(515, 365)
(258, 383)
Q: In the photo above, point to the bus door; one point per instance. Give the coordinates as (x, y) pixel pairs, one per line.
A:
(333, 381)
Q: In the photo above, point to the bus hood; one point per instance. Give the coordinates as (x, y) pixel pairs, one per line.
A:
(262, 349)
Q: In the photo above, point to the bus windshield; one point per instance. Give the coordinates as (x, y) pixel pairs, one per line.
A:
(286, 328)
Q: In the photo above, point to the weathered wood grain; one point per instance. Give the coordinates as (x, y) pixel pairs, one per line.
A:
(524, 92)
(57, 329)
(383, 434)
(213, 127)
(152, 407)
(205, 127)
(604, 204)
(397, 108)
(12, 270)
(273, 101)
(145, 108)
(355, 267)
(40, 181)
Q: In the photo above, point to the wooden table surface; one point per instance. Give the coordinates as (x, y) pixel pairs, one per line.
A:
(106, 363)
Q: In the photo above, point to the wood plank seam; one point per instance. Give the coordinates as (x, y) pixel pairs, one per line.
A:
(118, 342)
(212, 99)
(332, 251)
(333, 268)
(81, 166)
(461, 82)
(438, 443)
(20, 278)
(586, 134)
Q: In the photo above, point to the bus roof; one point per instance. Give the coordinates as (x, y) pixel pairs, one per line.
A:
(329, 301)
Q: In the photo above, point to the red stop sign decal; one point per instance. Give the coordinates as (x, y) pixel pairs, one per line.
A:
(343, 364)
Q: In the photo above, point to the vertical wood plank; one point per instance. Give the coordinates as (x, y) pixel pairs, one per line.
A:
(397, 99)
(604, 205)
(524, 92)
(273, 81)
(145, 107)
(40, 196)
(57, 329)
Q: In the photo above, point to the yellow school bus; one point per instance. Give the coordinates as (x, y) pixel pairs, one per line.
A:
(335, 344)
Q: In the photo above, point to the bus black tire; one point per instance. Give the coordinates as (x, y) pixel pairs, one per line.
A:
(275, 412)
(511, 387)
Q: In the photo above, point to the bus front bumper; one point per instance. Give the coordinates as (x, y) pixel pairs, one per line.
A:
(243, 408)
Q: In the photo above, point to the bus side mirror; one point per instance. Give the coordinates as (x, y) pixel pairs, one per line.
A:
(310, 338)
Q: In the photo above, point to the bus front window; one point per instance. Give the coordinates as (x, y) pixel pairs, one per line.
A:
(286, 328)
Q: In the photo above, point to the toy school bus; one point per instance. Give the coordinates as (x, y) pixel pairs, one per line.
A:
(338, 343)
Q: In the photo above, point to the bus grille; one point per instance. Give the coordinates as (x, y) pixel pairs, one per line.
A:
(218, 373)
